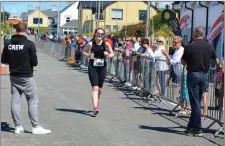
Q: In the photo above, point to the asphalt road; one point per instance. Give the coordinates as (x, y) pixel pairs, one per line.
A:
(65, 105)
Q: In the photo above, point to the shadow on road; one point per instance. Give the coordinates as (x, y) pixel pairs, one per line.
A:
(164, 129)
(6, 128)
(83, 112)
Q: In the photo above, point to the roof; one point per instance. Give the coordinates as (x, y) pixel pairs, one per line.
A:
(48, 13)
(72, 23)
(176, 2)
(24, 16)
(94, 4)
(103, 4)
(66, 7)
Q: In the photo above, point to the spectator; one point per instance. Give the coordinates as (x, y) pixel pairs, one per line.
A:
(177, 67)
(197, 56)
(127, 59)
(161, 64)
(136, 44)
(144, 51)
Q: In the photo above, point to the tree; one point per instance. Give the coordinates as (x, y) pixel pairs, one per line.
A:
(160, 27)
(6, 15)
(5, 28)
(164, 31)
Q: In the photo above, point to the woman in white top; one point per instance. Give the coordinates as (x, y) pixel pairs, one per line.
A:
(175, 60)
(161, 65)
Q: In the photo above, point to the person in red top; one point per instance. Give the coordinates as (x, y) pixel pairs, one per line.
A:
(107, 39)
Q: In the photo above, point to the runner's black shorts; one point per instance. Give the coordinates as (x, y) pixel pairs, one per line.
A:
(97, 75)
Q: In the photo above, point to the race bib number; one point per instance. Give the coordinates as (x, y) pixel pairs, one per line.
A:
(128, 53)
(98, 62)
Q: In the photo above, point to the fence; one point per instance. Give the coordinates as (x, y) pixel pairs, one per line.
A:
(143, 76)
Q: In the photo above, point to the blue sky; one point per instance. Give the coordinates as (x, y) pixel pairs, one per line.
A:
(18, 7)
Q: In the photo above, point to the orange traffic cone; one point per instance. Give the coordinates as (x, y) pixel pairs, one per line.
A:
(3, 69)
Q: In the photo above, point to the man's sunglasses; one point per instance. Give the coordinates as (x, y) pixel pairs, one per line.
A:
(127, 40)
(175, 42)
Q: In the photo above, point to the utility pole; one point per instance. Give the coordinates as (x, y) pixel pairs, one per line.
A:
(126, 18)
(3, 14)
(99, 6)
(147, 20)
(39, 9)
(153, 30)
(58, 20)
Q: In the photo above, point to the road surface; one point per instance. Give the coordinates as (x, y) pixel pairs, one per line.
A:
(64, 107)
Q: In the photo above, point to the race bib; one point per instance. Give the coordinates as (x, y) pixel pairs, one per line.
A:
(128, 53)
(98, 62)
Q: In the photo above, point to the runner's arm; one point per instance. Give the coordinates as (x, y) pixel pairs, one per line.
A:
(109, 50)
(86, 50)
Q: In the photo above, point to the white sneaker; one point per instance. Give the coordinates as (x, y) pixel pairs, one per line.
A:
(128, 84)
(40, 130)
(139, 88)
(19, 129)
(135, 88)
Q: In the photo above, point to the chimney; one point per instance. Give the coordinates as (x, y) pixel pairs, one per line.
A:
(53, 8)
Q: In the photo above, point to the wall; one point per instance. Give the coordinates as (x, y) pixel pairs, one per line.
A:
(86, 15)
(130, 14)
(200, 20)
(71, 12)
(35, 14)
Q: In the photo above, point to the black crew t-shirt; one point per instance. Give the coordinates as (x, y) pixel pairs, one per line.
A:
(198, 55)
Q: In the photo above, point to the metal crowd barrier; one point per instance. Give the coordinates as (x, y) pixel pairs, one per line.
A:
(60, 51)
(143, 73)
(141, 76)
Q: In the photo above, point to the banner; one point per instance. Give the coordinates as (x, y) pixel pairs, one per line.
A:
(170, 18)
(184, 22)
(216, 28)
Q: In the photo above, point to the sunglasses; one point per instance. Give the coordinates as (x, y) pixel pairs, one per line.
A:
(175, 42)
(100, 34)
(127, 40)
(159, 41)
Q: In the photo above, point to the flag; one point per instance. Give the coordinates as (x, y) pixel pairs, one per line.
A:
(216, 28)
(170, 18)
(184, 22)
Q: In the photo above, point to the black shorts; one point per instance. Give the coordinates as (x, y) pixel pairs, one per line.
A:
(97, 75)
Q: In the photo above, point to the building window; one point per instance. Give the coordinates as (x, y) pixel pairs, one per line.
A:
(115, 28)
(117, 14)
(35, 21)
(108, 28)
(142, 14)
(67, 19)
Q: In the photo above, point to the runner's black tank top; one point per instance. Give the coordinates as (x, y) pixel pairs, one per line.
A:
(98, 51)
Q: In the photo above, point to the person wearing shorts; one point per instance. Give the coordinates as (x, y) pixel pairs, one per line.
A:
(97, 68)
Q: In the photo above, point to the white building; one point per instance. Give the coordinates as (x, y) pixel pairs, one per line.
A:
(69, 13)
(203, 13)
(68, 19)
